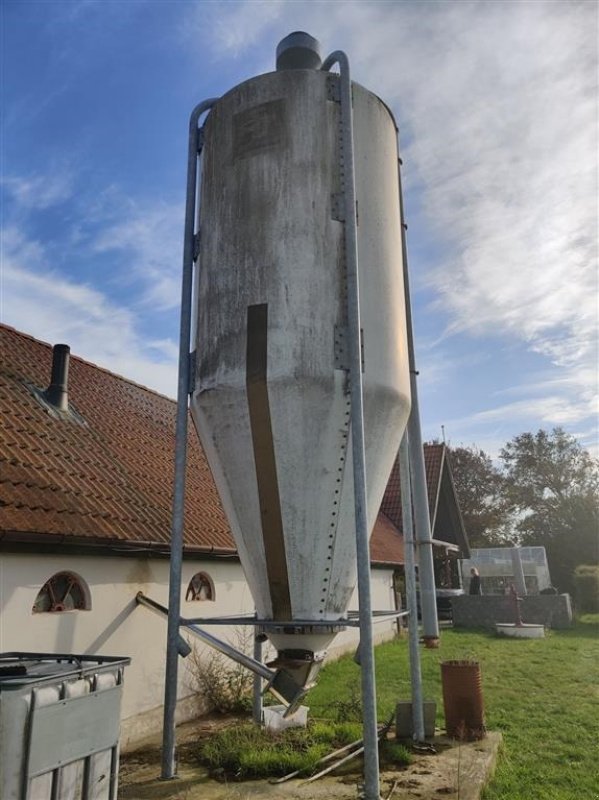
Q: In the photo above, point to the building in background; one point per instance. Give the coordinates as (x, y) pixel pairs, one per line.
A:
(494, 565)
(85, 516)
(450, 541)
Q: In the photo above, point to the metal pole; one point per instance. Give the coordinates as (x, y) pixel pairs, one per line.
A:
(518, 570)
(177, 520)
(257, 667)
(422, 522)
(257, 710)
(371, 754)
(208, 638)
(410, 570)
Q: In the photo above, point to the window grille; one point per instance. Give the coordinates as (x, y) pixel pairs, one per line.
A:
(200, 587)
(64, 591)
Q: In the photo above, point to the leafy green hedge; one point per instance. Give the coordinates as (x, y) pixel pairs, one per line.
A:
(586, 581)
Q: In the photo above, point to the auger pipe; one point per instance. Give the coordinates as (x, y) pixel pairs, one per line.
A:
(213, 641)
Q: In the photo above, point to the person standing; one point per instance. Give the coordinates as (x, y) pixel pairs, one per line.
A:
(475, 587)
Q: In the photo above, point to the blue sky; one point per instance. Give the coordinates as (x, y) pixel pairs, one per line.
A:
(497, 108)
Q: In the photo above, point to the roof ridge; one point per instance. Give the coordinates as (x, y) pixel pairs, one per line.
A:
(91, 364)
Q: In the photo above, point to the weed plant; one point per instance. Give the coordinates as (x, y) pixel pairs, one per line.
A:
(224, 685)
(394, 754)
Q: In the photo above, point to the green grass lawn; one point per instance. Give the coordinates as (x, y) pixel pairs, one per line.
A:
(541, 694)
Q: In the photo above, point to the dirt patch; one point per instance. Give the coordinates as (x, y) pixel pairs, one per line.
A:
(454, 770)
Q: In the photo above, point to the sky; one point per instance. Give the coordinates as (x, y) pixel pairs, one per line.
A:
(497, 107)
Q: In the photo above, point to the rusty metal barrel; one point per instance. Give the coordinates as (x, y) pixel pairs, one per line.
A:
(463, 699)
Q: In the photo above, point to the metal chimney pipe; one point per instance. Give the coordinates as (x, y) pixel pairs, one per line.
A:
(57, 394)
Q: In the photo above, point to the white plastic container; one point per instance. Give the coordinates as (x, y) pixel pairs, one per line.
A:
(275, 721)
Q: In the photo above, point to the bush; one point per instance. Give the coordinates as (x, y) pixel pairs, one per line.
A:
(224, 685)
(586, 582)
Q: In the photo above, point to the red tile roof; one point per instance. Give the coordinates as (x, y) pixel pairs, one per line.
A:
(434, 456)
(386, 543)
(445, 516)
(108, 480)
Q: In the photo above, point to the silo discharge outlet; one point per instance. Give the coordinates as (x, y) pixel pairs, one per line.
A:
(295, 676)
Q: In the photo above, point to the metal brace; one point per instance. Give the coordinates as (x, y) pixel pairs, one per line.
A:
(333, 88)
(341, 354)
(338, 206)
(201, 139)
(192, 372)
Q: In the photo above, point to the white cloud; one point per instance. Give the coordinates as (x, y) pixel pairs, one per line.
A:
(235, 33)
(551, 410)
(498, 105)
(38, 192)
(150, 237)
(54, 308)
(545, 404)
(144, 238)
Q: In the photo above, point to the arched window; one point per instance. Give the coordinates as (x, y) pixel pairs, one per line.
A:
(200, 588)
(64, 591)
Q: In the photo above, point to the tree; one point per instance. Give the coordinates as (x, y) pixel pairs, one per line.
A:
(480, 488)
(553, 485)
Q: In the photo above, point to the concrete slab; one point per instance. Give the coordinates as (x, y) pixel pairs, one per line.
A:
(457, 771)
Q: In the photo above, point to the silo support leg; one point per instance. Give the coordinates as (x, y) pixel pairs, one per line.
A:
(371, 751)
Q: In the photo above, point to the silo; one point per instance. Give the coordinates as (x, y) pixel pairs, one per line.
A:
(271, 399)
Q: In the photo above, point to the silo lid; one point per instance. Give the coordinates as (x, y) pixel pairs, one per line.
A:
(298, 50)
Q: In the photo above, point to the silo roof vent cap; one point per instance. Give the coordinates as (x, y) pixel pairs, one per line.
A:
(299, 50)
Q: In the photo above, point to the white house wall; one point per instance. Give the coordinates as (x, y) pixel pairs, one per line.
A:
(116, 626)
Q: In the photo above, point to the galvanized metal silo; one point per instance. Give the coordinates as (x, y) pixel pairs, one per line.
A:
(271, 399)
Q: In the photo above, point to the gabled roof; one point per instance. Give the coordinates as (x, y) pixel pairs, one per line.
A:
(386, 543)
(104, 477)
(433, 462)
(105, 480)
(445, 516)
